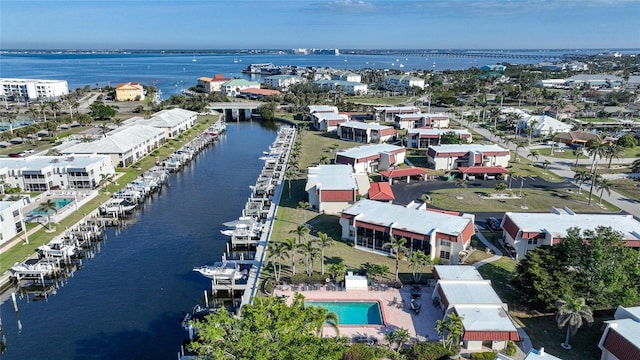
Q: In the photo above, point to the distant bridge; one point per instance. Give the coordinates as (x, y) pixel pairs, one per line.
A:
(238, 111)
(468, 54)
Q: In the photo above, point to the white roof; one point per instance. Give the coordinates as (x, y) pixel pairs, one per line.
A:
(428, 115)
(37, 163)
(365, 126)
(476, 148)
(457, 272)
(547, 123)
(557, 223)
(485, 318)
(322, 108)
(409, 116)
(331, 177)
(540, 355)
(627, 328)
(368, 150)
(469, 292)
(425, 131)
(127, 138)
(170, 118)
(627, 313)
(330, 116)
(395, 108)
(402, 218)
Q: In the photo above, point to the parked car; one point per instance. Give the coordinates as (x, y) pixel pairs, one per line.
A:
(493, 224)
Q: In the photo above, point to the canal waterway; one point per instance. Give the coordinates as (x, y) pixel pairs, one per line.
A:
(128, 301)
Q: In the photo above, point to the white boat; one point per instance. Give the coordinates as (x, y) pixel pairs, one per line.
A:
(235, 60)
(39, 268)
(57, 248)
(221, 271)
(117, 206)
(194, 59)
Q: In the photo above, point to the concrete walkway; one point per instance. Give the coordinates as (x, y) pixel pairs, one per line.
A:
(19, 239)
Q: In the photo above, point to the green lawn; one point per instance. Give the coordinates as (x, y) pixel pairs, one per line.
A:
(389, 100)
(500, 273)
(538, 200)
(628, 188)
(526, 167)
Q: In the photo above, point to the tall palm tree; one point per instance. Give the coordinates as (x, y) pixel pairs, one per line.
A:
(614, 151)
(578, 153)
(278, 254)
(571, 313)
(401, 337)
(304, 206)
(43, 107)
(511, 173)
(309, 251)
(55, 106)
(602, 186)
(595, 178)
(534, 154)
(417, 262)
(324, 317)
(580, 177)
(519, 145)
(597, 151)
(396, 245)
(47, 207)
(300, 232)
(452, 326)
(337, 271)
(324, 241)
(289, 247)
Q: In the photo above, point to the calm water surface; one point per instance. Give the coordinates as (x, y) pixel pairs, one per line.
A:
(127, 302)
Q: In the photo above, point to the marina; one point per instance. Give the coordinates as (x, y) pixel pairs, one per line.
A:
(158, 246)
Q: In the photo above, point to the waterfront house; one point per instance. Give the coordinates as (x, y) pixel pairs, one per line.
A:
(316, 109)
(212, 84)
(370, 224)
(333, 188)
(283, 81)
(621, 336)
(388, 113)
(257, 94)
(328, 121)
(422, 138)
(485, 318)
(372, 158)
(402, 82)
(33, 89)
(527, 231)
(173, 121)
(130, 91)
(454, 156)
(365, 132)
(233, 87)
(42, 173)
(11, 218)
(125, 145)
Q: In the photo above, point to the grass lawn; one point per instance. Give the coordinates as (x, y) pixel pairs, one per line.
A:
(477, 255)
(563, 154)
(317, 143)
(538, 200)
(543, 331)
(390, 100)
(500, 273)
(525, 167)
(21, 251)
(628, 188)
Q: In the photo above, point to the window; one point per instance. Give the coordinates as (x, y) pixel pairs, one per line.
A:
(444, 255)
(444, 243)
(532, 242)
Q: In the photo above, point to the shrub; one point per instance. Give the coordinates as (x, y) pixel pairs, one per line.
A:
(428, 351)
(511, 349)
(359, 352)
(483, 356)
(302, 277)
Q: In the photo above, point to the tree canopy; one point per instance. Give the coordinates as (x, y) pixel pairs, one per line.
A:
(268, 329)
(594, 265)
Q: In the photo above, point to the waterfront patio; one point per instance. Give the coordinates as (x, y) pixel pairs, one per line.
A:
(395, 306)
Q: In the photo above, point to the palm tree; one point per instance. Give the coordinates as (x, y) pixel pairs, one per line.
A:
(598, 151)
(401, 337)
(580, 177)
(452, 326)
(55, 106)
(324, 159)
(417, 262)
(390, 337)
(304, 205)
(396, 245)
(635, 167)
(614, 151)
(602, 186)
(524, 197)
(300, 231)
(595, 178)
(325, 317)
(278, 254)
(519, 145)
(571, 313)
(545, 164)
(47, 207)
(535, 154)
(461, 183)
(500, 187)
(337, 271)
(510, 173)
(308, 252)
(324, 241)
(104, 129)
(289, 174)
(289, 247)
(43, 107)
(578, 153)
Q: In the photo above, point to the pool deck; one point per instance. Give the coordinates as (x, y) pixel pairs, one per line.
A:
(420, 327)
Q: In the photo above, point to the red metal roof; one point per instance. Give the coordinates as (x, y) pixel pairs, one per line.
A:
(381, 191)
(483, 170)
(403, 172)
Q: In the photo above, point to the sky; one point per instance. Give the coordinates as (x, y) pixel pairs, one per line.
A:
(344, 24)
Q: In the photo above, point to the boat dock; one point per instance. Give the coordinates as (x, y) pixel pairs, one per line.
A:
(235, 278)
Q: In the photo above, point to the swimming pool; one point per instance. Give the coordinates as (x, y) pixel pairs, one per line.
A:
(353, 312)
(60, 203)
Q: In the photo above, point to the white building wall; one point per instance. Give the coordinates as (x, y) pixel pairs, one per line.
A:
(334, 207)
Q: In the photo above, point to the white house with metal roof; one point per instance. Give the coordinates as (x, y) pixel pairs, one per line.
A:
(333, 188)
(370, 224)
(125, 145)
(422, 138)
(527, 231)
(233, 87)
(43, 173)
(421, 120)
(365, 132)
(172, 121)
(453, 156)
(349, 87)
(345, 75)
(283, 81)
(388, 113)
(372, 158)
(543, 125)
(402, 82)
(328, 121)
